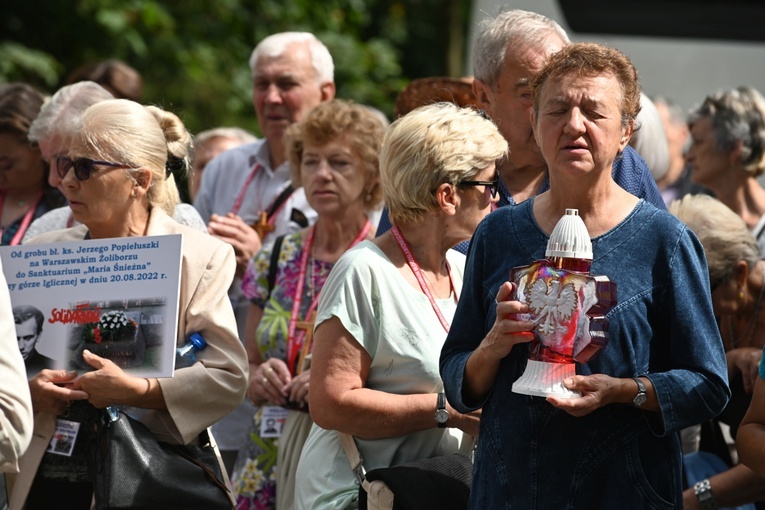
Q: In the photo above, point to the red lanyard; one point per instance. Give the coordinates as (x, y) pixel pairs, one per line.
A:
(295, 342)
(240, 198)
(415, 267)
(25, 221)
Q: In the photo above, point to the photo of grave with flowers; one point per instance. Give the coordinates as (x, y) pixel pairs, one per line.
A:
(124, 333)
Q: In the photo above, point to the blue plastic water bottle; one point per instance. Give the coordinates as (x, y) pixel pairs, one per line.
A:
(186, 354)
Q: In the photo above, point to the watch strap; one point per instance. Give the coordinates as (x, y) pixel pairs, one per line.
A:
(642, 393)
(442, 415)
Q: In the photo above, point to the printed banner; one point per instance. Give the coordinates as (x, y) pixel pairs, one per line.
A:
(118, 298)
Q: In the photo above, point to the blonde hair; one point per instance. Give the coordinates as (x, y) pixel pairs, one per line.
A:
(724, 235)
(126, 132)
(364, 131)
(431, 145)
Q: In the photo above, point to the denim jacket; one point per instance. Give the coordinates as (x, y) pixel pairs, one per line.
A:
(533, 456)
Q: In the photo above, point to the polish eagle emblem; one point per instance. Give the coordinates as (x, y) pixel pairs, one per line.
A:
(552, 305)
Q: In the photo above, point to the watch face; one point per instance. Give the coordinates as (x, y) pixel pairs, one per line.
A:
(442, 416)
(639, 399)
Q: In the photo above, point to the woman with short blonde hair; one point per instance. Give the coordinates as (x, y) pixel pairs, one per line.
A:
(388, 303)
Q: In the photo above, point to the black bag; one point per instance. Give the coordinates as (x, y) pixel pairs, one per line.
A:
(131, 469)
(440, 483)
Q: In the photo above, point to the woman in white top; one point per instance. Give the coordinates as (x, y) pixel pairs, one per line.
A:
(386, 307)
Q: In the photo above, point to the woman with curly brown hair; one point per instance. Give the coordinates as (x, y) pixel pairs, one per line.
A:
(334, 156)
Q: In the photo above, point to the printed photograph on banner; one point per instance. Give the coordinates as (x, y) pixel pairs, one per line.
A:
(117, 298)
(127, 332)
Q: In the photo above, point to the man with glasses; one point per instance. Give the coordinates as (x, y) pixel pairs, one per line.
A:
(510, 49)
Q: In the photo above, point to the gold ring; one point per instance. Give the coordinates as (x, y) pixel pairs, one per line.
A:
(265, 381)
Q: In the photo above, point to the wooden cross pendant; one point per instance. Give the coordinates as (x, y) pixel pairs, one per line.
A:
(262, 227)
(307, 326)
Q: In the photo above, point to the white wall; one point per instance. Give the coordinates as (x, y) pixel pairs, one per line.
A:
(685, 70)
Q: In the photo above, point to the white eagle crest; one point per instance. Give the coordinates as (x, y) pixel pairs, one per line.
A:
(550, 308)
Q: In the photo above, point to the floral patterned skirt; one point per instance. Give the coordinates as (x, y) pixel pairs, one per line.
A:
(254, 475)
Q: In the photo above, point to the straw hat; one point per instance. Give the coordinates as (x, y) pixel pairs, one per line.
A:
(423, 91)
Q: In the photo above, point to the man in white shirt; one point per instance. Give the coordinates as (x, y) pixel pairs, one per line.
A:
(249, 185)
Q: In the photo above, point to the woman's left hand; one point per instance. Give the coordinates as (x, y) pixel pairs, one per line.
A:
(298, 388)
(597, 391)
(108, 384)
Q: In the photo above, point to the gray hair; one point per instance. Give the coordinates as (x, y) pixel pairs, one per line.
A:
(60, 111)
(737, 115)
(431, 145)
(649, 139)
(234, 133)
(522, 28)
(724, 235)
(276, 44)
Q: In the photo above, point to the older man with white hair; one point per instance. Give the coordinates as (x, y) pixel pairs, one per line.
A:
(245, 194)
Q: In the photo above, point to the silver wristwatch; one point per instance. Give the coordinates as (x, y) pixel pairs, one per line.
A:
(641, 396)
(703, 491)
(442, 415)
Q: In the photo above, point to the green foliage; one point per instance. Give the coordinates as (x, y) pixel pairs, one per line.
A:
(193, 53)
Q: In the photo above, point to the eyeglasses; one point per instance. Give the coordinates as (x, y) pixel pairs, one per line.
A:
(83, 167)
(492, 186)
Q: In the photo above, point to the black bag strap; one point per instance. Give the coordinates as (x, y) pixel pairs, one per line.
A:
(209, 473)
(283, 196)
(272, 266)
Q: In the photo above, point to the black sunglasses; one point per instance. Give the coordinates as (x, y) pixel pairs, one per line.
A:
(83, 167)
(492, 185)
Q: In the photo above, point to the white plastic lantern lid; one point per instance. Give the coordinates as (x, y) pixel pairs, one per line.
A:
(570, 238)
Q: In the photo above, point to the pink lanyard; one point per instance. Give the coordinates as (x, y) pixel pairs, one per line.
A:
(295, 344)
(26, 220)
(240, 198)
(415, 267)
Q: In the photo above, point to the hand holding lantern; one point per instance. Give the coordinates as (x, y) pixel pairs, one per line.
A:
(568, 307)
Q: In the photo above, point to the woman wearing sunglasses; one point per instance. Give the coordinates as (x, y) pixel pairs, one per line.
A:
(117, 177)
(47, 132)
(387, 304)
(24, 192)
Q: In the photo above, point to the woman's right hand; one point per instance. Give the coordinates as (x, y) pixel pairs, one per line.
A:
(269, 382)
(507, 330)
(483, 364)
(50, 391)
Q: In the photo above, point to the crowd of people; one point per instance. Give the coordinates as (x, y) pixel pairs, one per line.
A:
(351, 278)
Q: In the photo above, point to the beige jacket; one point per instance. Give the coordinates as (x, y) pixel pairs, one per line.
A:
(15, 403)
(197, 396)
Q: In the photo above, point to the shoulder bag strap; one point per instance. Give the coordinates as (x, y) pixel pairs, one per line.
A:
(283, 196)
(275, 252)
(353, 454)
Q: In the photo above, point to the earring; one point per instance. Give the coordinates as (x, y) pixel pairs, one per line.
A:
(741, 295)
(368, 198)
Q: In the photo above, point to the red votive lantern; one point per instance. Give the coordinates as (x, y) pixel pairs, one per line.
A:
(568, 307)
